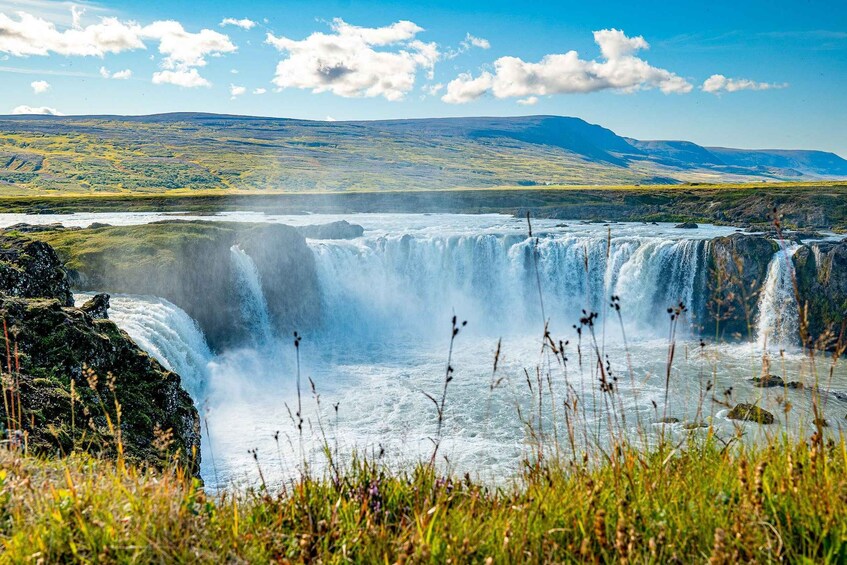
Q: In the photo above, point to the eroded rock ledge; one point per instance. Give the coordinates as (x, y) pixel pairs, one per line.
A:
(54, 348)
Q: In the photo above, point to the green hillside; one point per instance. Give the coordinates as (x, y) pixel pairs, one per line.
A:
(191, 152)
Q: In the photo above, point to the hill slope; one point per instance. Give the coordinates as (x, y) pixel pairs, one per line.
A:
(42, 154)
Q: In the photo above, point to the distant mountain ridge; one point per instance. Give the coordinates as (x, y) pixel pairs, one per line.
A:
(214, 151)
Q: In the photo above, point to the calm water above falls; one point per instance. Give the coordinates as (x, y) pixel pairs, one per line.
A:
(387, 301)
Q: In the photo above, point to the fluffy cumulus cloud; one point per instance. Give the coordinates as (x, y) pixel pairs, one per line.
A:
(42, 110)
(259, 90)
(235, 90)
(243, 23)
(183, 51)
(31, 35)
(528, 101)
(716, 84)
(619, 69)
(40, 86)
(356, 61)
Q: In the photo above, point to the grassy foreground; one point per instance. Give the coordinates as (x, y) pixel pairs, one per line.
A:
(700, 503)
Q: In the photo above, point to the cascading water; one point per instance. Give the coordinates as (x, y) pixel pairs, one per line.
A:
(166, 332)
(406, 283)
(778, 323)
(254, 307)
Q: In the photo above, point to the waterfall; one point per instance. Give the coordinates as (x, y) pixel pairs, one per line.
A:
(778, 320)
(254, 307)
(414, 283)
(164, 331)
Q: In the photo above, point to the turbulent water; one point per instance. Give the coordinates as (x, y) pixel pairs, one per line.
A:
(388, 299)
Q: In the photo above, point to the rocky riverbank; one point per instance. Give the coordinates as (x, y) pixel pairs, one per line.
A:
(66, 370)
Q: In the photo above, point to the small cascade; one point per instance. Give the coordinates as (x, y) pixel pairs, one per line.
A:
(166, 332)
(778, 323)
(248, 287)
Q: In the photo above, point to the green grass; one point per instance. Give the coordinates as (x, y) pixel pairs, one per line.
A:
(699, 503)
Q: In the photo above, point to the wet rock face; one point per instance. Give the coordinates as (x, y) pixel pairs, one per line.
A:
(737, 268)
(333, 230)
(56, 349)
(821, 273)
(190, 264)
(32, 269)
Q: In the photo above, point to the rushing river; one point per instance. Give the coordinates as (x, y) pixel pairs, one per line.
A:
(382, 343)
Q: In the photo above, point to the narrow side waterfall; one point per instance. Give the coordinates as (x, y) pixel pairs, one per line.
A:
(778, 323)
(166, 332)
(254, 307)
(414, 283)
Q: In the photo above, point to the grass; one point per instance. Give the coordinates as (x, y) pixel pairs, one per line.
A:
(781, 502)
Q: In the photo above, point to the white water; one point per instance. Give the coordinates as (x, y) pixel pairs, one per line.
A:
(248, 290)
(387, 301)
(778, 324)
(164, 331)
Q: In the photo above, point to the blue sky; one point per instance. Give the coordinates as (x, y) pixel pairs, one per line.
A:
(740, 74)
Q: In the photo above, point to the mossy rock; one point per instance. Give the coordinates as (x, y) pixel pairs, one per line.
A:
(750, 413)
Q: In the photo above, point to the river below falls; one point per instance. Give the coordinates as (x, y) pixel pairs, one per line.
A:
(387, 301)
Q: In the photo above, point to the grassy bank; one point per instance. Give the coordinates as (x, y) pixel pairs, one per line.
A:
(816, 205)
(700, 503)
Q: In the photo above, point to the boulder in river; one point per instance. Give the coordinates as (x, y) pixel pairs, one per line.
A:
(750, 413)
(767, 381)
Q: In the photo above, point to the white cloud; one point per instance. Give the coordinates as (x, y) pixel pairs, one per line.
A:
(433, 89)
(619, 69)
(719, 83)
(183, 51)
(465, 88)
(347, 64)
(236, 91)
(473, 41)
(329, 119)
(32, 35)
(117, 75)
(189, 78)
(39, 86)
(42, 110)
(242, 23)
(529, 101)
(468, 43)
(259, 90)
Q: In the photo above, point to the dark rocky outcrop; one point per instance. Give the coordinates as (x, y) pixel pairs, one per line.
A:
(56, 351)
(737, 267)
(750, 413)
(97, 306)
(32, 269)
(333, 230)
(821, 272)
(190, 264)
(687, 226)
